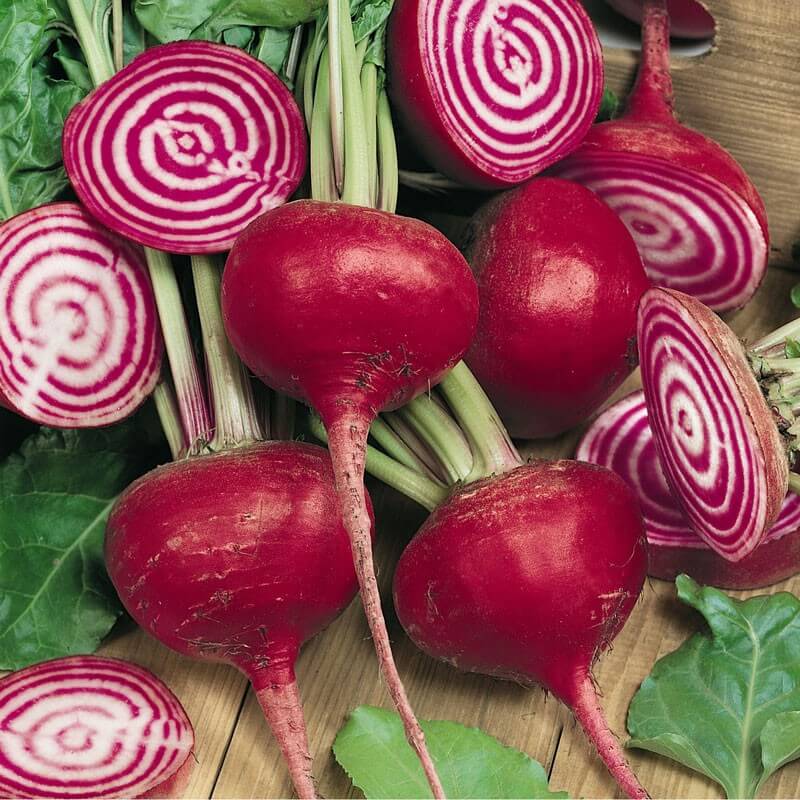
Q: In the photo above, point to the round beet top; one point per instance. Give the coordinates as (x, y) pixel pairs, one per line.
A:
(185, 146)
(494, 92)
(80, 345)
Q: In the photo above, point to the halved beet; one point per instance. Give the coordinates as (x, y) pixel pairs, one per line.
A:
(186, 146)
(92, 727)
(493, 93)
(697, 219)
(715, 434)
(80, 345)
(621, 439)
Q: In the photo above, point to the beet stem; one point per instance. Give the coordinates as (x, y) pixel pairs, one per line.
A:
(398, 449)
(348, 446)
(98, 59)
(323, 181)
(236, 420)
(118, 31)
(387, 156)
(409, 482)
(336, 93)
(169, 416)
(652, 95)
(180, 353)
(589, 713)
(284, 712)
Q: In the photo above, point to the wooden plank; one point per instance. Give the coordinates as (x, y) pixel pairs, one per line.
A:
(744, 94)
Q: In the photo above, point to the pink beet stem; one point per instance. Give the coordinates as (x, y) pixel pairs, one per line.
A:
(284, 712)
(589, 713)
(347, 443)
(652, 96)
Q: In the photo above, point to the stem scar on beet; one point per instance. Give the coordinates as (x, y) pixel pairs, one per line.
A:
(697, 218)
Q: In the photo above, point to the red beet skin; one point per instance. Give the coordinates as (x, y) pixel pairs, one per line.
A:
(559, 278)
(353, 311)
(529, 577)
(238, 557)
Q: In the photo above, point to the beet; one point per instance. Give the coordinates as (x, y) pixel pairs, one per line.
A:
(92, 727)
(697, 219)
(716, 437)
(238, 557)
(185, 146)
(492, 93)
(559, 279)
(528, 577)
(621, 439)
(80, 345)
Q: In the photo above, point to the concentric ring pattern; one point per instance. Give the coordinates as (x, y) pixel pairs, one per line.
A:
(185, 146)
(621, 440)
(79, 339)
(88, 727)
(706, 441)
(694, 234)
(517, 82)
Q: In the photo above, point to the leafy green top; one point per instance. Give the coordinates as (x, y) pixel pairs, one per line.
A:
(55, 497)
(34, 102)
(373, 751)
(728, 704)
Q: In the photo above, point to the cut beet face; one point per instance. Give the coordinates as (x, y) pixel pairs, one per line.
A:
(698, 220)
(80, 345)
(92, 727)
(185, 146)
(715, 435)
(693, 232)
(622, 440)
(493, 93)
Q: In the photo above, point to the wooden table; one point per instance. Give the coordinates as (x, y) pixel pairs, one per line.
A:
(337, 671)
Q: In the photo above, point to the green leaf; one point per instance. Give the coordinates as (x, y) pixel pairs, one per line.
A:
(727, 704)
(373, 751)
(33, 106)
(609, 106)
(273, 49)
(171, 20)
(55, 496)
(792, 348)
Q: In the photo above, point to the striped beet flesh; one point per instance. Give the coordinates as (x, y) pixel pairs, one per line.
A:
(493, 93)
(185, 146)
(92, 727)
(715, 435)
(80, 345)
(621, 439)
(697, 219)
(688, 19)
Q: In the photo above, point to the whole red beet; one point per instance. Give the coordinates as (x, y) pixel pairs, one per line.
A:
(559, 279)
(353, 311)
(529, 576)
(238, 557)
